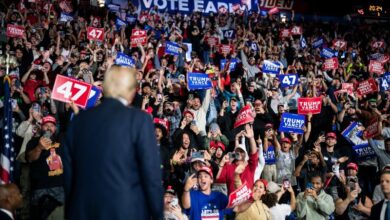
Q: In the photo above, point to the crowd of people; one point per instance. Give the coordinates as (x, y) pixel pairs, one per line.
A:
(319, 173)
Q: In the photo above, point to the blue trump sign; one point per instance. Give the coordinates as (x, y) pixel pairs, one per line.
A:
(232, 66)
(124, 60)
(318, 42)
(172, 48)
(384, 82)
(364, 151)
(287, 80)
(271, 67)
(119, 23)
(327, 53)
(198, 81)
(269, 156)
(292, 123)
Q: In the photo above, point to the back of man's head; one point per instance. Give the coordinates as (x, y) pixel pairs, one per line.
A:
(10, 197)
(120, 82)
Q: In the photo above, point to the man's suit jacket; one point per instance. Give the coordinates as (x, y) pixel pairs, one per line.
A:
(4, 216)
(111, 165)
(376, 211)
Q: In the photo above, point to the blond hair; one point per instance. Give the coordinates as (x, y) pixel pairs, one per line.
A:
(119, 82)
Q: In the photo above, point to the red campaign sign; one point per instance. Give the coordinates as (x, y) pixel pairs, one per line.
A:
(309, 105)
(240, 195)
(138, 37)
(244, 117)
(376, 67)
(15, 31)
(367, 87)
(372, 129)
(212, 41)
(341, 44)
(68, 89)
(225, 49)
(331, 63)
(378, 44)
(383, 59)
(95, 34)
(348, 87)
(296, 30)
(273, 11)
(284, 33)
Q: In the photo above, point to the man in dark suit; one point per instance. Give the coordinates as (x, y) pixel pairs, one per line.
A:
(111, 162)
(10, 200)
(381, 211)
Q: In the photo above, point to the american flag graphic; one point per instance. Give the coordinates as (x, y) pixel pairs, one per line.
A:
(7, 150)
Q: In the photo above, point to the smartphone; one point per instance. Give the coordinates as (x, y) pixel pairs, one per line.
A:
(17, 83)
(174, 202)
(197, 154)
(234, 155)
(286, 183)
(14, 103)
(36, 107)
(42, 90)
(191, 96)
(309, 186)
(47, 134)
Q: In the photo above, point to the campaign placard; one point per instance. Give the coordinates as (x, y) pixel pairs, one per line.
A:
(15, 31)
(285, 33)
(327, 53)
(309, 105)
(93, 97)
(287, 80)
(348, 87)
(330, 64)
(212, 41)
(138, 37)
(340, 44)
(244, 116)
(240, 195)
(292, 123)
(95, 34)
(372, 129)
(378, 44)
(119, 23)
(124, 60)
(274, 10)
(364, 152)
(354, 133)
(225, 49)
(367, 87)
(229, 34)
(270, 67)
(296, 30)
(384, 82)
(318, 43)
(172, 48)
(198, 81)
(232, 65)
(67, 89)
(375, 67)
(65, 17)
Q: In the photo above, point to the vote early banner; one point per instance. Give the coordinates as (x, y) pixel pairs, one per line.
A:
(309, 105)
(375, 67)
(292, 123)
(331, 63)
(270, 67)
(67, 89)
(124, 60)
(367, 87)
(172, 48)
(372, 129)
(198, 81)
(287, 80)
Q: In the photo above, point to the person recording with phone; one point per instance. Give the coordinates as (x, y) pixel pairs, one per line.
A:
(33, 79)
(172, 208)
(353, 203)
(44, 153)
(314, 203)
(239, 156)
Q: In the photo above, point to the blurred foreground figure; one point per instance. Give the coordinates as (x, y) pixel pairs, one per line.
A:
(111, 162)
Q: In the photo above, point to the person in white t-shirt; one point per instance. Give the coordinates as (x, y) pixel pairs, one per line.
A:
(271, 199)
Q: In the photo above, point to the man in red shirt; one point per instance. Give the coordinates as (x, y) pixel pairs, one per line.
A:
(226, 171)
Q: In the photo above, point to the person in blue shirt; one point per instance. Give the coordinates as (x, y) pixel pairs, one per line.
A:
(202, 203)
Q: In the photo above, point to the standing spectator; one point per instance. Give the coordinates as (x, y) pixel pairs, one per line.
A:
(381, 211)
(314, 203)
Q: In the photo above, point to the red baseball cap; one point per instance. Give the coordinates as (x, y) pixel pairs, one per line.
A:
(286, 140)
(188, 112)
(217, 144)
(269, 125)
(48, 119)
(353, 166)
(331, 135)
(207, 170)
